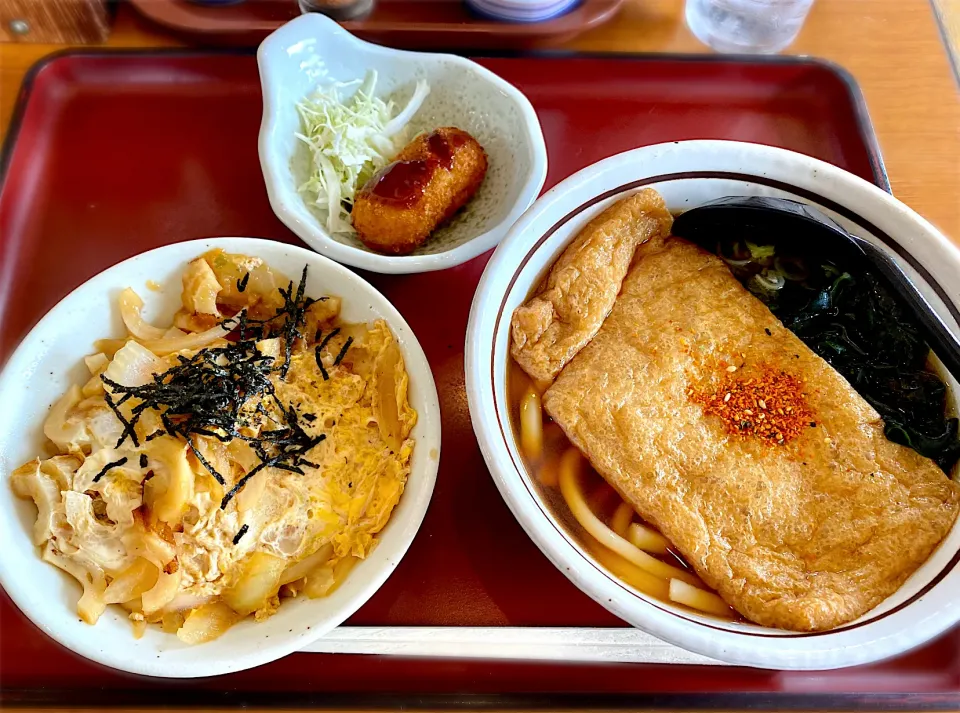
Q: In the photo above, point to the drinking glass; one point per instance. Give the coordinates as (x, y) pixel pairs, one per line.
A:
(750, 26)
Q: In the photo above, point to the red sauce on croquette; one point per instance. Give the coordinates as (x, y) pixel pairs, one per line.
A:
(405, 181)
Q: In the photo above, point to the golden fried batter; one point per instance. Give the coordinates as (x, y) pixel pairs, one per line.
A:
(430, 180)
(805, 534)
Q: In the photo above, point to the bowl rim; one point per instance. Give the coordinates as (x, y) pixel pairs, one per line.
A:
(273, 166)
(856, 643)
(49, 618)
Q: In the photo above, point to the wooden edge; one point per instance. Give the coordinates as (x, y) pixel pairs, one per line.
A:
(948, 17)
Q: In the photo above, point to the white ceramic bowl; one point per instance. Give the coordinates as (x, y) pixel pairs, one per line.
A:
(50, 359)
(688, 174)
(314, 49)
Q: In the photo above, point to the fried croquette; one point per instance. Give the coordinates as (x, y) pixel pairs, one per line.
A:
(430, 180)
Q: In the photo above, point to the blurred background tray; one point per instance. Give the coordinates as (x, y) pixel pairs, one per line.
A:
(399, 23)
(113, 154)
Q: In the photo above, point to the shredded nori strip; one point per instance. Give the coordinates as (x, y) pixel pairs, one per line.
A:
(272, 463)
(213, 392)
(326, 340)
(128, 429)
(241, 532)
(323, 371)
(109, 466)
(309, 417)
(295, 308)
(242, 282)
(206, 463)
(321, 346)
(343, 351)
(143, 460)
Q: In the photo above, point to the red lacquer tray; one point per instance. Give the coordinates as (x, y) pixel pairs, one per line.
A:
(113, 154)
(399, 23)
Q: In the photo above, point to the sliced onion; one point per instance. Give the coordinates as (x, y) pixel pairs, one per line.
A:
(733, 262)
(301, 569)
(248, 498)
(134, 365)
(770, 280)
(163, 592)
(130, 307)
(186, 600)
(136, 579)
(65, 434)
(162, 347)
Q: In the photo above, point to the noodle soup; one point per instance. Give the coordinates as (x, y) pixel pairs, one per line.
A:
(601, 521)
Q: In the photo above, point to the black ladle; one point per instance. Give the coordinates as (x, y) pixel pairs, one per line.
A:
(782, 221)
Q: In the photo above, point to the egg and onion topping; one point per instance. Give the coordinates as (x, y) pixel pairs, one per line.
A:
(250, 452)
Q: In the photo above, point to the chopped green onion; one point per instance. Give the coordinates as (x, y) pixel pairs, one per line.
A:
(760, 251)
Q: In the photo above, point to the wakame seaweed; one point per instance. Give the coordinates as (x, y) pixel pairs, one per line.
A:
(853, 322)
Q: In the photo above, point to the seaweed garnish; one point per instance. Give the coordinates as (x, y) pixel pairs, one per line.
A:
(293, 314)
(326, 340)
(343, 351)
(296, 311)
(240, 533)
(108, 467)
(293, 452)
(217, 391)
(128, 427)
(319, 359)
(320, 347)
(204, 462)
(242, 282)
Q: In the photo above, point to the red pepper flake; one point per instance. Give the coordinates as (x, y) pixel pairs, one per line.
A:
(785, 413)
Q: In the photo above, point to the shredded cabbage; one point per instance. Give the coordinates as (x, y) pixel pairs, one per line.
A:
(350, 140)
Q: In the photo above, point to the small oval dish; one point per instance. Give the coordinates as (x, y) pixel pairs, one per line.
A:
(314, 50)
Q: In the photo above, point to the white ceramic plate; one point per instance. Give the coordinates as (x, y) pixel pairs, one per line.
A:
(688, 174)
(49, 360)
(314, 50)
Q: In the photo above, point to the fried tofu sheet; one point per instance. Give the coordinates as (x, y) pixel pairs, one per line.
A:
(582, 286)
(805, 535)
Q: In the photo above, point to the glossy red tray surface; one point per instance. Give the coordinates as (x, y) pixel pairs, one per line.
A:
(114, 154)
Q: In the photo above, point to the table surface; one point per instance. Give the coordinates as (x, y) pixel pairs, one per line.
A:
(896, 49)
